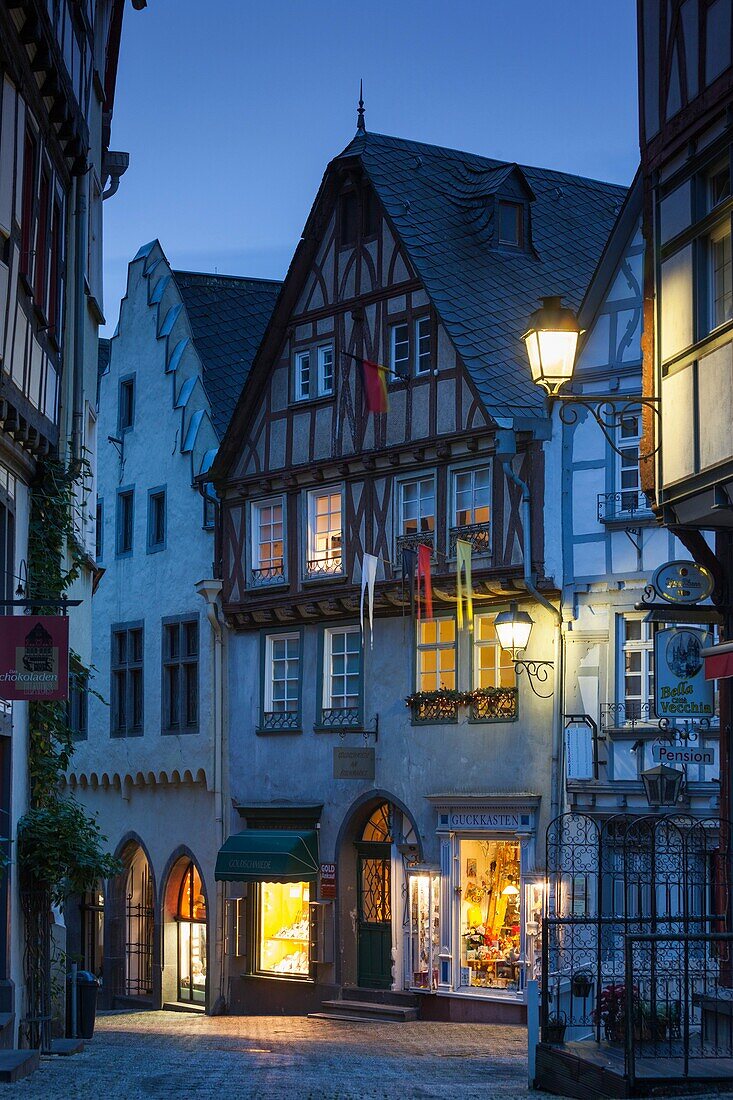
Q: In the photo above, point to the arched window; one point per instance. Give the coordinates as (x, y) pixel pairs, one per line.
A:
(378, 829)
(191, 917)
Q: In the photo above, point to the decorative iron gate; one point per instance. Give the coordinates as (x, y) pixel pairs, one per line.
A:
(139, 939)
(636, 942)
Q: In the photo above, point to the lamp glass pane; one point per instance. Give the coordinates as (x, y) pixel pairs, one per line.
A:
(514, 632)
(557, 355)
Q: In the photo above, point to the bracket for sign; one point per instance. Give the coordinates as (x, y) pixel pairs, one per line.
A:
(43, 601)
(365, 733)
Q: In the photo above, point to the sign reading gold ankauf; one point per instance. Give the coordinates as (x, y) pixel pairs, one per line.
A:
(34, 657)
(680, 688)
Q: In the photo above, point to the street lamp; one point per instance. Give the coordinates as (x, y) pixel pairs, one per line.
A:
(551, 341)
(662, 785)
(513, 628)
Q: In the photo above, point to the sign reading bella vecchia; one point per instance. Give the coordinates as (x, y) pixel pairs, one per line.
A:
(680, 687)
(34, 657)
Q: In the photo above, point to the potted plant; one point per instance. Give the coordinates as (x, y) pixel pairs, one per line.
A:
(612, 1010)
(582, 983)
(554, 1029)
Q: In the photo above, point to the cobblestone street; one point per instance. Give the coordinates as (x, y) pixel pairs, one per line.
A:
(177, 1054)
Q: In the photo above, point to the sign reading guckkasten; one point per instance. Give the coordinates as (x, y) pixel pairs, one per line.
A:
(680, 687)
(34, 657)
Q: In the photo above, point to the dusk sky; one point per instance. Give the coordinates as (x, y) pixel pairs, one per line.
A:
(231, 109)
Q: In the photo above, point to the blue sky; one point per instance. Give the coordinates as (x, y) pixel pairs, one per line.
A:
(231, 109)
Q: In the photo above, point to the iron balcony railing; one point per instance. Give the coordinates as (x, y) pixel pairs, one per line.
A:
(280, 720)
(273, 574)
(411, 541)
(325, 567)
(623, 507)
(337, 718)
(478, 534)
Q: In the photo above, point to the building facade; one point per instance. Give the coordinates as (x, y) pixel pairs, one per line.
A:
(58, 65)
(151, 761)
(391, 794)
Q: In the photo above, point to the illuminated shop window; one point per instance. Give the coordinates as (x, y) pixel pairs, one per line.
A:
(490, 914)
(191, 938)
(284, 937)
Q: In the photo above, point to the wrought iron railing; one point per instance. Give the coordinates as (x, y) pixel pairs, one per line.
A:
(280, 720)
(341, 718)
(478, 534)
(434, 709)
(273, 574)
(325, 567)
(629, 713)
(494, 705)
(412, 541)
(623, 507)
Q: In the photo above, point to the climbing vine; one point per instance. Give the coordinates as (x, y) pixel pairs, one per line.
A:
(60, 847)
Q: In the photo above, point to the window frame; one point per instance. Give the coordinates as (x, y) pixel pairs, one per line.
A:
(518, 207)
(645, 646)
(721, 231)
(77, 705)
(99, 531)
(182, 661)
(348, 196)
(427, 320)
(323, 391)
(126, 491)
(351, 716)
(408, 479)
(153, 494)
(283, 726)
(393, 362)
(625, 444)
(478, 644)
(126, 380)
(309, 535)
(454, 472)
(255, 562)
(437, 646)
(26, 265)
(127, 667)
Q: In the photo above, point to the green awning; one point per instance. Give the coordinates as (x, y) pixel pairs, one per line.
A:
(268, 855)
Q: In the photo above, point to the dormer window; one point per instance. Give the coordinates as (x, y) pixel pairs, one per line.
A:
(510, 224)
(348, 218)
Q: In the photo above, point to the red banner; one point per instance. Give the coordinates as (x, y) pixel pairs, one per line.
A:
(34, 657)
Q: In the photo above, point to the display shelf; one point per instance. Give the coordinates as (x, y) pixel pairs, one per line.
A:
(288, 939)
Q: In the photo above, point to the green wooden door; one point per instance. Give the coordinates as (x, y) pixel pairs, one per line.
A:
(374, 929)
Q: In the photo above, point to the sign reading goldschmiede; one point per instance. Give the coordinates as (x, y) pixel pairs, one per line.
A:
(680, 687)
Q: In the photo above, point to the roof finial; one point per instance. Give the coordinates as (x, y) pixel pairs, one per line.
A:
(360, 123)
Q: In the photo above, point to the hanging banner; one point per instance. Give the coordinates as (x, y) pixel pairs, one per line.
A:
(34, 657)
(680, 687)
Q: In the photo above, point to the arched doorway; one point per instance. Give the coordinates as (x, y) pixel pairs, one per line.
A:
(92, 929)
(139, 925)
(374, 900)
(191, 918)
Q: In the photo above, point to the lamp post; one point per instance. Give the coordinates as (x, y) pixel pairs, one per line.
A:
(513, 628)
(551, 341)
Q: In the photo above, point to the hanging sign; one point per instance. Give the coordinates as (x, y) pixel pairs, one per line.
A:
(353, 763)
(682, 752)
(680, 687)
(579, 750)
(682, 582)
(328, 880)
(34, 657)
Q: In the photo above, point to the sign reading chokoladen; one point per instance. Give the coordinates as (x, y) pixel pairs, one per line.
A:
(682, 582)
(680, 687)
(34, 657)
(353, 763)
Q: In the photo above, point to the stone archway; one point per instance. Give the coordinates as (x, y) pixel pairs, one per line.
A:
(131, 948)
(184, 915)
(358, 871)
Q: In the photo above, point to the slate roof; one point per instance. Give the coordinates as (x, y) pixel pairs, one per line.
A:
(228, 316)
(437, 201)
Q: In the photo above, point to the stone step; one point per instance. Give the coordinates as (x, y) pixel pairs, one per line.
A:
(64, 1047)
(348, 1019)
(17, 1064)
(380, 996)
(370, 1010)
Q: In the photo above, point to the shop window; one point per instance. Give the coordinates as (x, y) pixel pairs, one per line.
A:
(423, 346)
(493, 666)
(325, 533)
(127, 680)
(268, 530)
(436, 655)
(284, 929)
(490, 914)
(637, 640)
(92, 930)
(181, 676)
(191, 917)
(422, 965)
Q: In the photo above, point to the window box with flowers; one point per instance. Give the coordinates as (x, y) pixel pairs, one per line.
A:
(483, 704)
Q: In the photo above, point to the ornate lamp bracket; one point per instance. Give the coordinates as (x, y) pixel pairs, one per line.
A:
(538, 672)
(609, 413)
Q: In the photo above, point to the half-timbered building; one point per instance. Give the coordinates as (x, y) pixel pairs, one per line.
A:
(390, 785)
(58, 67)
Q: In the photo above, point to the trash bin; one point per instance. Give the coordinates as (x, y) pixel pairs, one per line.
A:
(87, 988)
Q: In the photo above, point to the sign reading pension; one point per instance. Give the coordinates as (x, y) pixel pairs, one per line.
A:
(34, 657)
(680, 687)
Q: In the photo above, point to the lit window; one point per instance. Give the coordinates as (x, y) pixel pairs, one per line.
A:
(510, 223)
(492, 666)
(284, 929)
(324, 532)
(490, 914)
(417, 506)
(629, 480)
(342, 669)
(282, 677)
(302, 375)
(638, 669)
(423, 355)
(267, 540)
(436, 654)
(472, 493)
(399, 350)
(325, 369)
(721, 276)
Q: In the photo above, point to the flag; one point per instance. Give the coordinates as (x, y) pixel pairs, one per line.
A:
(409, 565)
(423, 572)
(368, 577)
(464, 590)
(376, 398)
